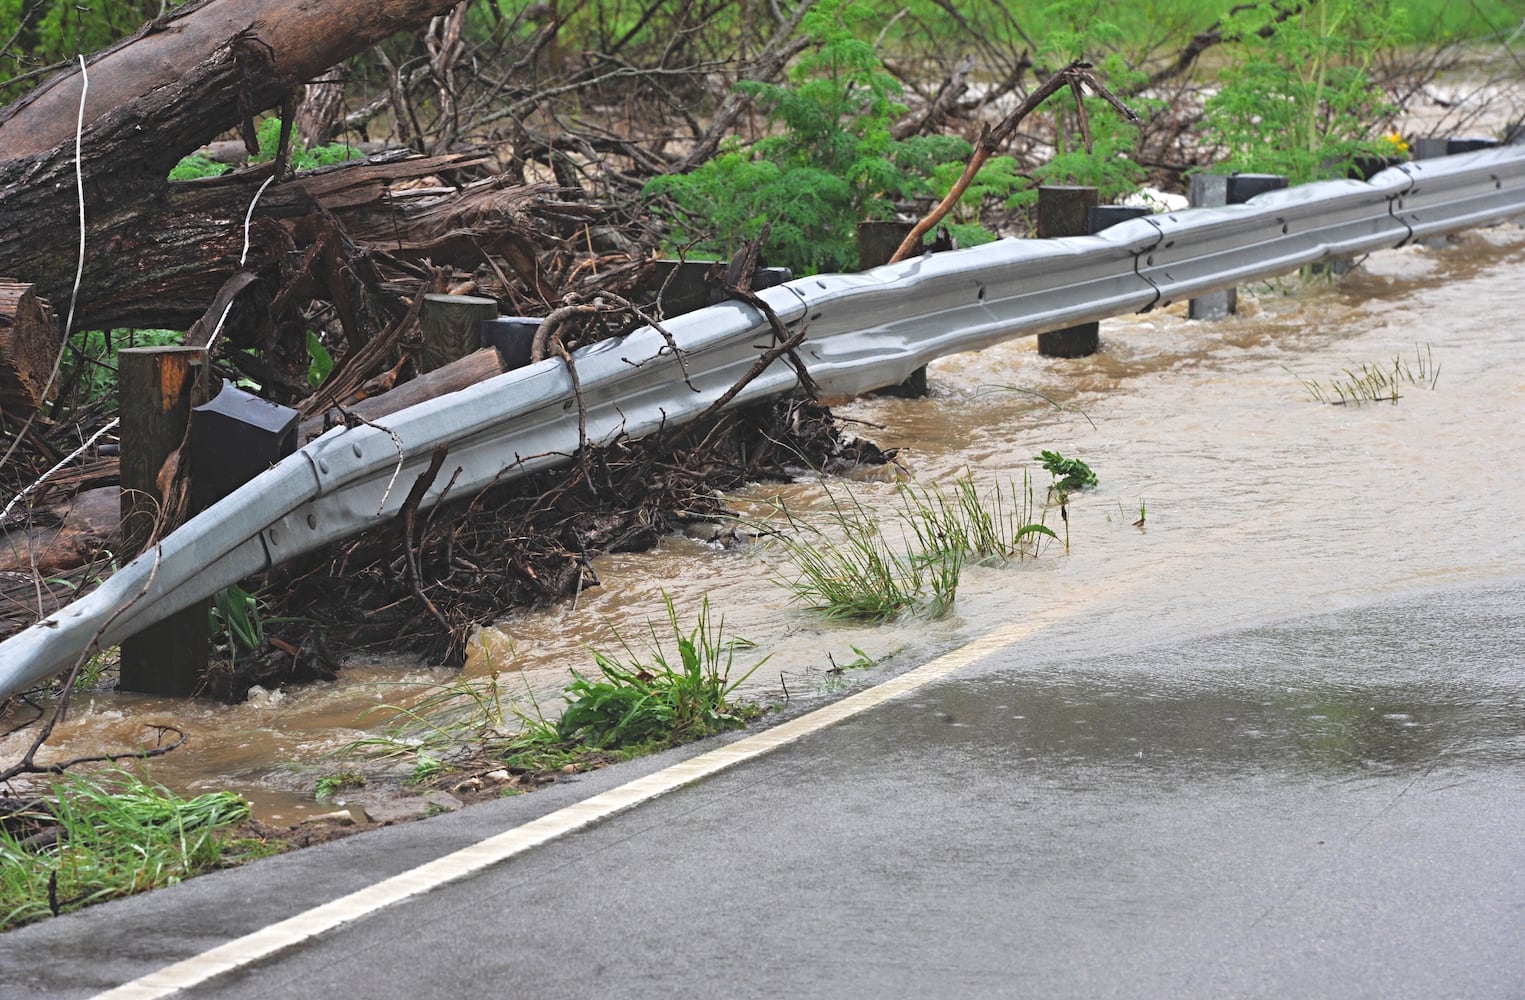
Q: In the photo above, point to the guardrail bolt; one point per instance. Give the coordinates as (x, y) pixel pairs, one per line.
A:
(1064, 210)
(877, 242)
(450, 327)
(1215, 191)
(158, 387)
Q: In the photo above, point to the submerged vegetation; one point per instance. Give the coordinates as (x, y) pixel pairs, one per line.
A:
(1375, 383)
(849, 565)
(1070, 474)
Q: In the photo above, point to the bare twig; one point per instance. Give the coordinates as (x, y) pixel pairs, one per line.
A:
(992, 139)
(61, 463)
(353, 420)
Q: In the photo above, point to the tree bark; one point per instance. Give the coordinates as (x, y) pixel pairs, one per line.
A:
(29, 342)
(205, 67)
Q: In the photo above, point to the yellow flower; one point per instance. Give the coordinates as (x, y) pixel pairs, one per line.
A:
(1398, 145)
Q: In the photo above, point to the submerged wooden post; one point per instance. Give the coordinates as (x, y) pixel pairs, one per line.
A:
(450, 325)
(1064, 211)
(877, 243)
(158, 386)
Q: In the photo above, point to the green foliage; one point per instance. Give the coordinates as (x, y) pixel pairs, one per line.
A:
(90, 364)
(830, 163)
(331, 783)
(636, 704)
(116, 835)
(1070, 474)
(235, 612)
(55, 31)
(656, 700)
(269, 135)
(1085, 29)
(321, 362)
(197, 165)
(1299, 100)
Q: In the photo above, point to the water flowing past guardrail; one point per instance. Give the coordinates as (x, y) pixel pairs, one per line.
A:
(863, 331)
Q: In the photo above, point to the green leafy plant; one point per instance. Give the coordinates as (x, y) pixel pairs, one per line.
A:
(635, 704)
(1094, 146)
(650, 699)
(1070, 474)
(235, 612)
(830, 163)
(111, 834)
(320, 362)
(268, 135)
(90, 364)
(1298, 98)
(195, 166)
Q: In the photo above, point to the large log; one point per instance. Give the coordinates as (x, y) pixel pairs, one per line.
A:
(197, 71)
(29, 343)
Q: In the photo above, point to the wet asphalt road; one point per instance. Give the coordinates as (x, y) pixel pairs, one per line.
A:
(1325, 807)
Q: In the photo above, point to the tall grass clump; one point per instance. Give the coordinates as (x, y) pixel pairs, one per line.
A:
(110, 834)
(848, 564)
(1374, 383)
(681, 687)
(657, 697)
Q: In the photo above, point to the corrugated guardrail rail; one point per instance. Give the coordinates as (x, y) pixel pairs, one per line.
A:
(864, 331)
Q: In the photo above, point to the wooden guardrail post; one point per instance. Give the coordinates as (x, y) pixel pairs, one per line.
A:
(158, 386)
(1063, 210)
(450, 326)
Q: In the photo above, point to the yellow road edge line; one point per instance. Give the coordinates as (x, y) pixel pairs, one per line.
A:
(304, 926)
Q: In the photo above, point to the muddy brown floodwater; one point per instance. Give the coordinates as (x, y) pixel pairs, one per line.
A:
(1251, 489)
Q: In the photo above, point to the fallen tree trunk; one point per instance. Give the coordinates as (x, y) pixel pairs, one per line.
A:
(29, 342)
(197, 71)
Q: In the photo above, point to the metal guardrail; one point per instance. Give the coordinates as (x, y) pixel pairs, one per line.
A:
(865, 331)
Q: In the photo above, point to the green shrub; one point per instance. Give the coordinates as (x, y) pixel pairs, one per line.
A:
(92, 355)
(1299, 100)
(830, 163)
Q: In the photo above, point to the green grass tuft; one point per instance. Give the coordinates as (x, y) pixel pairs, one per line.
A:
(111, 834)
(848, 567)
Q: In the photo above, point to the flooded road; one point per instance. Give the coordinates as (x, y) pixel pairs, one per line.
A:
(1260, 505)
